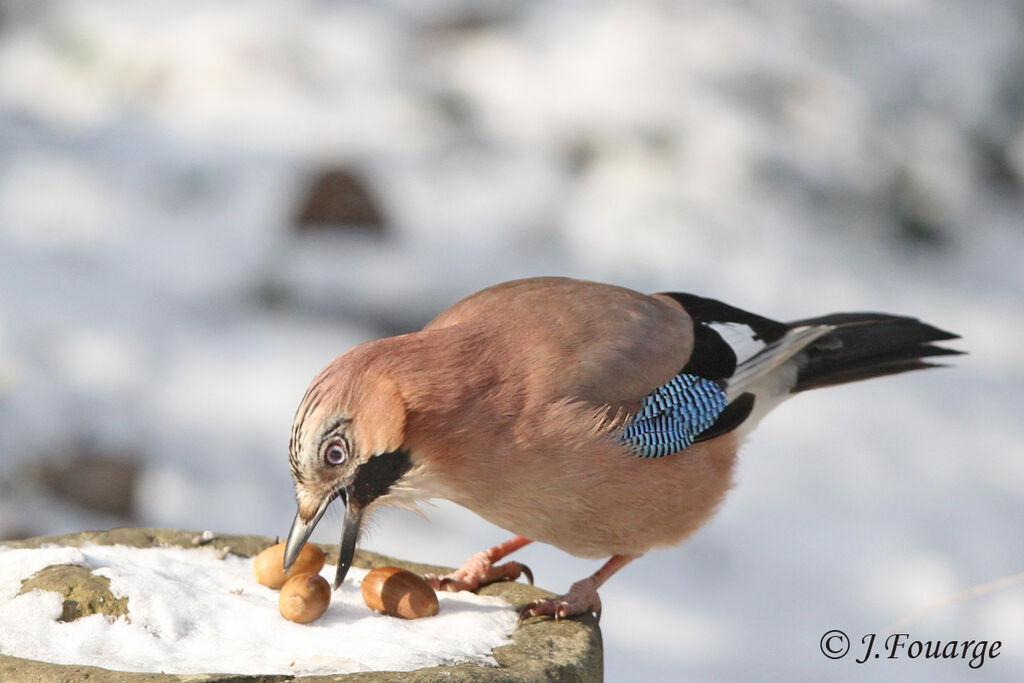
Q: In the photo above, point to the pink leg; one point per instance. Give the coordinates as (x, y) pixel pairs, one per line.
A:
(582, 596)
(480, 569)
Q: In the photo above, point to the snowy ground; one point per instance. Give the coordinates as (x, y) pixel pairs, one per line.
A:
(792, 158)
(193, 612)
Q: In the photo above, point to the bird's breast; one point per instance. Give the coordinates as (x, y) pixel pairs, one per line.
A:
(590, 498)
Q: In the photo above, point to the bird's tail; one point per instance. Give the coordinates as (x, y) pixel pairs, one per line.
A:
(865, 345)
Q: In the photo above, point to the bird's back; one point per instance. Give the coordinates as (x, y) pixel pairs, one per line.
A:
(575, 339)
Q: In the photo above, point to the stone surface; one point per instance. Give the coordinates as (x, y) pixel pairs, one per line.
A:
(542, 650)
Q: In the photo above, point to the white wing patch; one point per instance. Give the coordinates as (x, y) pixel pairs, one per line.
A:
(741, 338)
(752, 370)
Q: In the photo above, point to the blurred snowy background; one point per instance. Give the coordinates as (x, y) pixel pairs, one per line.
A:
(168, 286)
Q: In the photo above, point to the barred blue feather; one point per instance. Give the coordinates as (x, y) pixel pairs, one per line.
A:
(672, 416)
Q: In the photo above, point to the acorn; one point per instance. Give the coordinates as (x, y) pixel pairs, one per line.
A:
(399, 593)
(268, 566)
(304, 597)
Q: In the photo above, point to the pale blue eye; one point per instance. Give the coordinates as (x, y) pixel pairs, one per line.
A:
(335, 453)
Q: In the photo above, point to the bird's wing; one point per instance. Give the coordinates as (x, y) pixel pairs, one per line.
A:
(738, 360)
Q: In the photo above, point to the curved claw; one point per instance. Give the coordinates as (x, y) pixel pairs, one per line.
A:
(525, 614)
(526, 572)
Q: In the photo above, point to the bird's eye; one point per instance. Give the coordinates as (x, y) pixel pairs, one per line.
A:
(336, 453)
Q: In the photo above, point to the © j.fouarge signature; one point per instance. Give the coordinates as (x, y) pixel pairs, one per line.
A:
(835, 645)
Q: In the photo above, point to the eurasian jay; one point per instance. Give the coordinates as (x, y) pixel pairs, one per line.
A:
(595, 418)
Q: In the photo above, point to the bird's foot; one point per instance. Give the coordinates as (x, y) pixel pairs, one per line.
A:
(478, 571)
(582, 598)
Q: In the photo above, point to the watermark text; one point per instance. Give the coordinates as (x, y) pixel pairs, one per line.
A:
(835, 644)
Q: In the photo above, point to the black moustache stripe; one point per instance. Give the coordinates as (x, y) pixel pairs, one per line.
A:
(376, 476)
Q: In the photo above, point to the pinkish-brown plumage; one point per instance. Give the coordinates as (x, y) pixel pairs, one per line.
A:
(512, 403)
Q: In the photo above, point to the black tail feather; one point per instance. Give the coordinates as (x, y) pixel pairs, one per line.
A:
(866, 345)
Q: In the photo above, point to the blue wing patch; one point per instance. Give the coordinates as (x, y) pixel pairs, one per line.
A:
(672, 416)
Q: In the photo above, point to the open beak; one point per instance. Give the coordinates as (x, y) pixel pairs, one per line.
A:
(301, 529)
(371, 481)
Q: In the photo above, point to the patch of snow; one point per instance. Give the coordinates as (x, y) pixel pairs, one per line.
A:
(191, 612)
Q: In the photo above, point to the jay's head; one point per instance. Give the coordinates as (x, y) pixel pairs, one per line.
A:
(347, 444)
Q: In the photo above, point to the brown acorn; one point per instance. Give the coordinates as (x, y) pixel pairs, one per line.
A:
(268, 566)
(304, 597)
(399, 593)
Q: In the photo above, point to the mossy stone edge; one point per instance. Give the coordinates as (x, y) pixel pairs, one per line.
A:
(542, 650)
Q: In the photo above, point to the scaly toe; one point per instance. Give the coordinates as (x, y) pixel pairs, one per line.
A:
(545, 607)
(566, 606)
